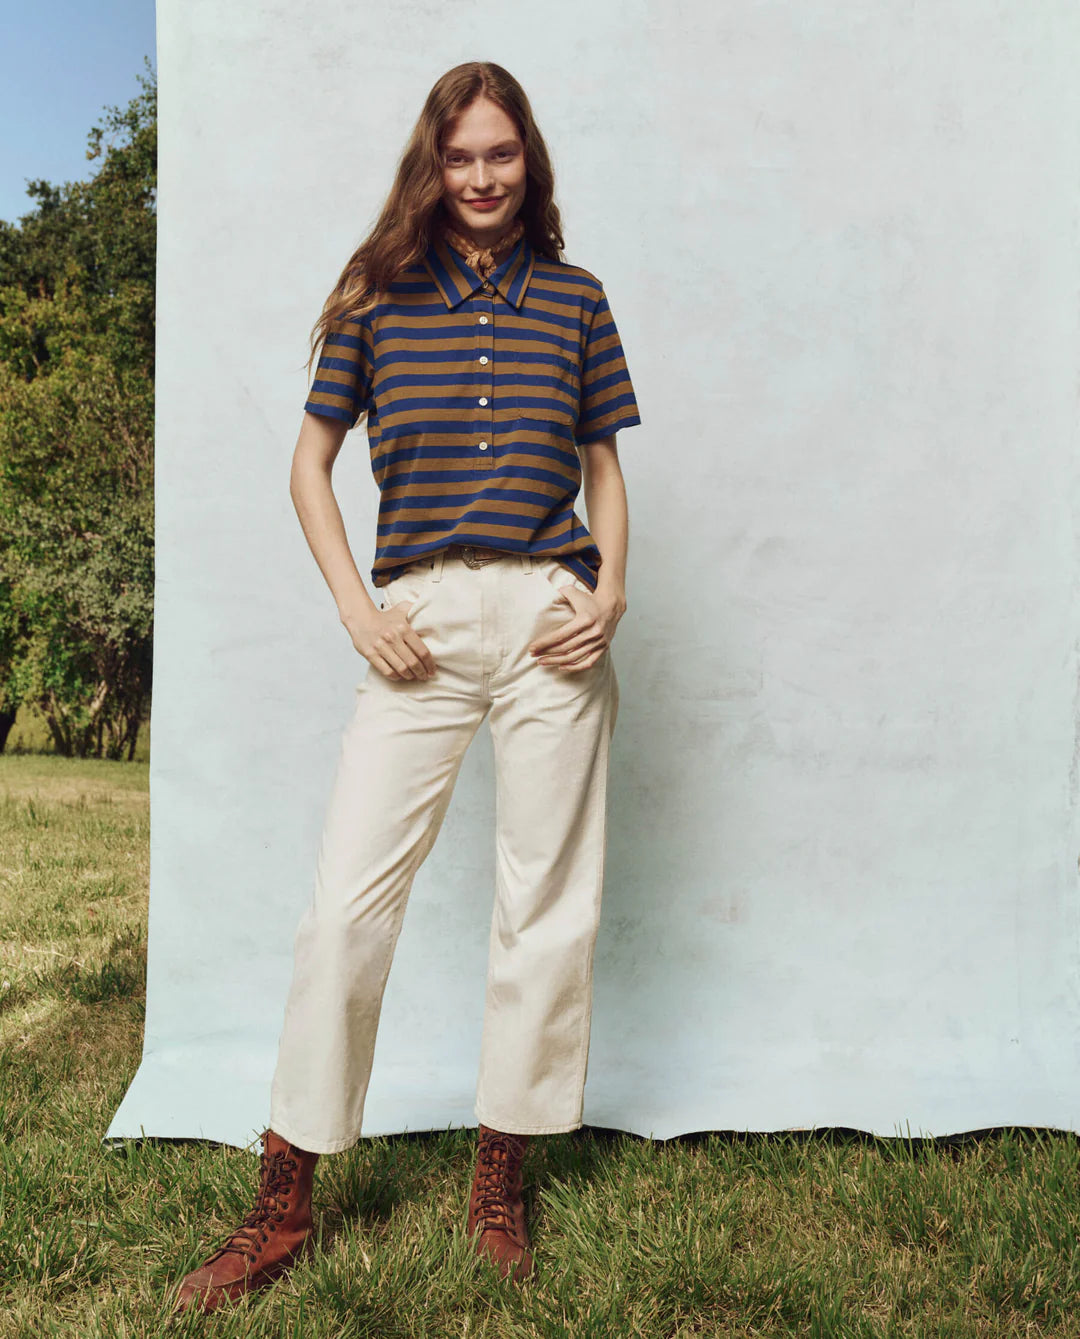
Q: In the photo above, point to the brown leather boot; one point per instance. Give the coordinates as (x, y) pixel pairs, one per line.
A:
(496, 1212)
(276, 1233)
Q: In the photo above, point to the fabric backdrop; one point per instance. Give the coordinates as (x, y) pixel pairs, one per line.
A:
(841, 245)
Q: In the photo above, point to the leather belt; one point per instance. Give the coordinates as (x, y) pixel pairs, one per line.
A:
(476, 555)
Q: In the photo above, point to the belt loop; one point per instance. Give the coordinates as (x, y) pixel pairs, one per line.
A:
(526, 562)
(437, 565)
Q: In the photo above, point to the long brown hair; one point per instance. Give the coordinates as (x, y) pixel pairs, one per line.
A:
(404, 228)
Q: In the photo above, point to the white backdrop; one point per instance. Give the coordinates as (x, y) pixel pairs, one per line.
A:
(841, 245)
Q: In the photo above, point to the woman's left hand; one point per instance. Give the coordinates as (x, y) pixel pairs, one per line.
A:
(580, 643)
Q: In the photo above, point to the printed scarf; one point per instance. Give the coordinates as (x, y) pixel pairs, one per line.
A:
(484, 259)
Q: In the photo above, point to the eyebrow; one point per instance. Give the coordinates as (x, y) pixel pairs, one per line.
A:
(505, 144)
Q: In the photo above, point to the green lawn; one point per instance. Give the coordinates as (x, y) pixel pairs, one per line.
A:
(829, 1234)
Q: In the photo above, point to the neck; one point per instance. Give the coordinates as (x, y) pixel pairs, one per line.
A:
(483, 256)
(481, 238)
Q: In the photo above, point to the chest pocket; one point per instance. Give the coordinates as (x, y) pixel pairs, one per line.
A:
(542, 387)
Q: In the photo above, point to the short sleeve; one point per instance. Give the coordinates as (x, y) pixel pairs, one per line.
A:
(607, 394)
(342, 385)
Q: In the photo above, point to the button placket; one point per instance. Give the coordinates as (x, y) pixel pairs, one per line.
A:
(484, 307)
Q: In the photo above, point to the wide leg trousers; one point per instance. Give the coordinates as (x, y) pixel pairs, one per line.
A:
(400, 757)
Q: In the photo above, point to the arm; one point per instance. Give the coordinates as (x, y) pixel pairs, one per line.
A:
(580, 642)
(605, 502)
(383, 637)
(313, 497)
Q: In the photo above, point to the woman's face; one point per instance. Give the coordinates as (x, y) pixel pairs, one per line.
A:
(483, 160)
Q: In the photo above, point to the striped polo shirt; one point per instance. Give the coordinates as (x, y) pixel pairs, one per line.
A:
(477, 394)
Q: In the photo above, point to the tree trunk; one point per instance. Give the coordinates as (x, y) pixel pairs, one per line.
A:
(7, 720)
(62, 735)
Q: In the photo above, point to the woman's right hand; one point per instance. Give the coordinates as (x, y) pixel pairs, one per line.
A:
(387, 642)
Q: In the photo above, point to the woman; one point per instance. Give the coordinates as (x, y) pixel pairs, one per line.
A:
(489, 371)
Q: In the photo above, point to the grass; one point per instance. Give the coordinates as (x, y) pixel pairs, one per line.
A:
(829, 1234)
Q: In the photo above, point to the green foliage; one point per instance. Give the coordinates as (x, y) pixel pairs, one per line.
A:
(76, 443)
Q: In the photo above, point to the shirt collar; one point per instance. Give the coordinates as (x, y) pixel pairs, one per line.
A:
(456, 281)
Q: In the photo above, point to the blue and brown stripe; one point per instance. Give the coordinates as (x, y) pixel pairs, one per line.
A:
(477, 396)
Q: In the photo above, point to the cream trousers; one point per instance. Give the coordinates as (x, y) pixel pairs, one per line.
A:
(400, 756)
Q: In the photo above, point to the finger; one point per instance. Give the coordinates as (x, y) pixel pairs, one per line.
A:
(568, 638)
(575, 667)
(575, 655)
(383, 666)
(410, 647)
(416, 643)
(377, 659)
(400, 657)
(562, 635)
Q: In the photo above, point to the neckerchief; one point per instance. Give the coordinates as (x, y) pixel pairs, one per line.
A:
(484, 259)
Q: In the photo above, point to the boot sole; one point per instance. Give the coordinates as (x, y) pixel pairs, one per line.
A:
(209, 1299)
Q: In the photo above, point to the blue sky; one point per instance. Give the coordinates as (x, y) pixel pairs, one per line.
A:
(64, 62)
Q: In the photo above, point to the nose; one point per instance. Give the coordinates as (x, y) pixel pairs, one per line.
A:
(480, 175)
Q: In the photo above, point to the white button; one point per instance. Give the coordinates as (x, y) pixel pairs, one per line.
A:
(483, 320)
(483, 358)
(483, 446)
(483, 399)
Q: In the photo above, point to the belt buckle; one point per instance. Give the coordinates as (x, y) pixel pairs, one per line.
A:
(474, 559)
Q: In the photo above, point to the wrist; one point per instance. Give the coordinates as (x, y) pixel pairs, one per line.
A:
(611, 590)
(609, 583)
(357, 610)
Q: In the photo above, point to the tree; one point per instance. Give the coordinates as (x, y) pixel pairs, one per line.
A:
(76, 443)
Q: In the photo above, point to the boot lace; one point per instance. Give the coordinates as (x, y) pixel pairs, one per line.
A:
(277, 1172)
(498, 1160)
